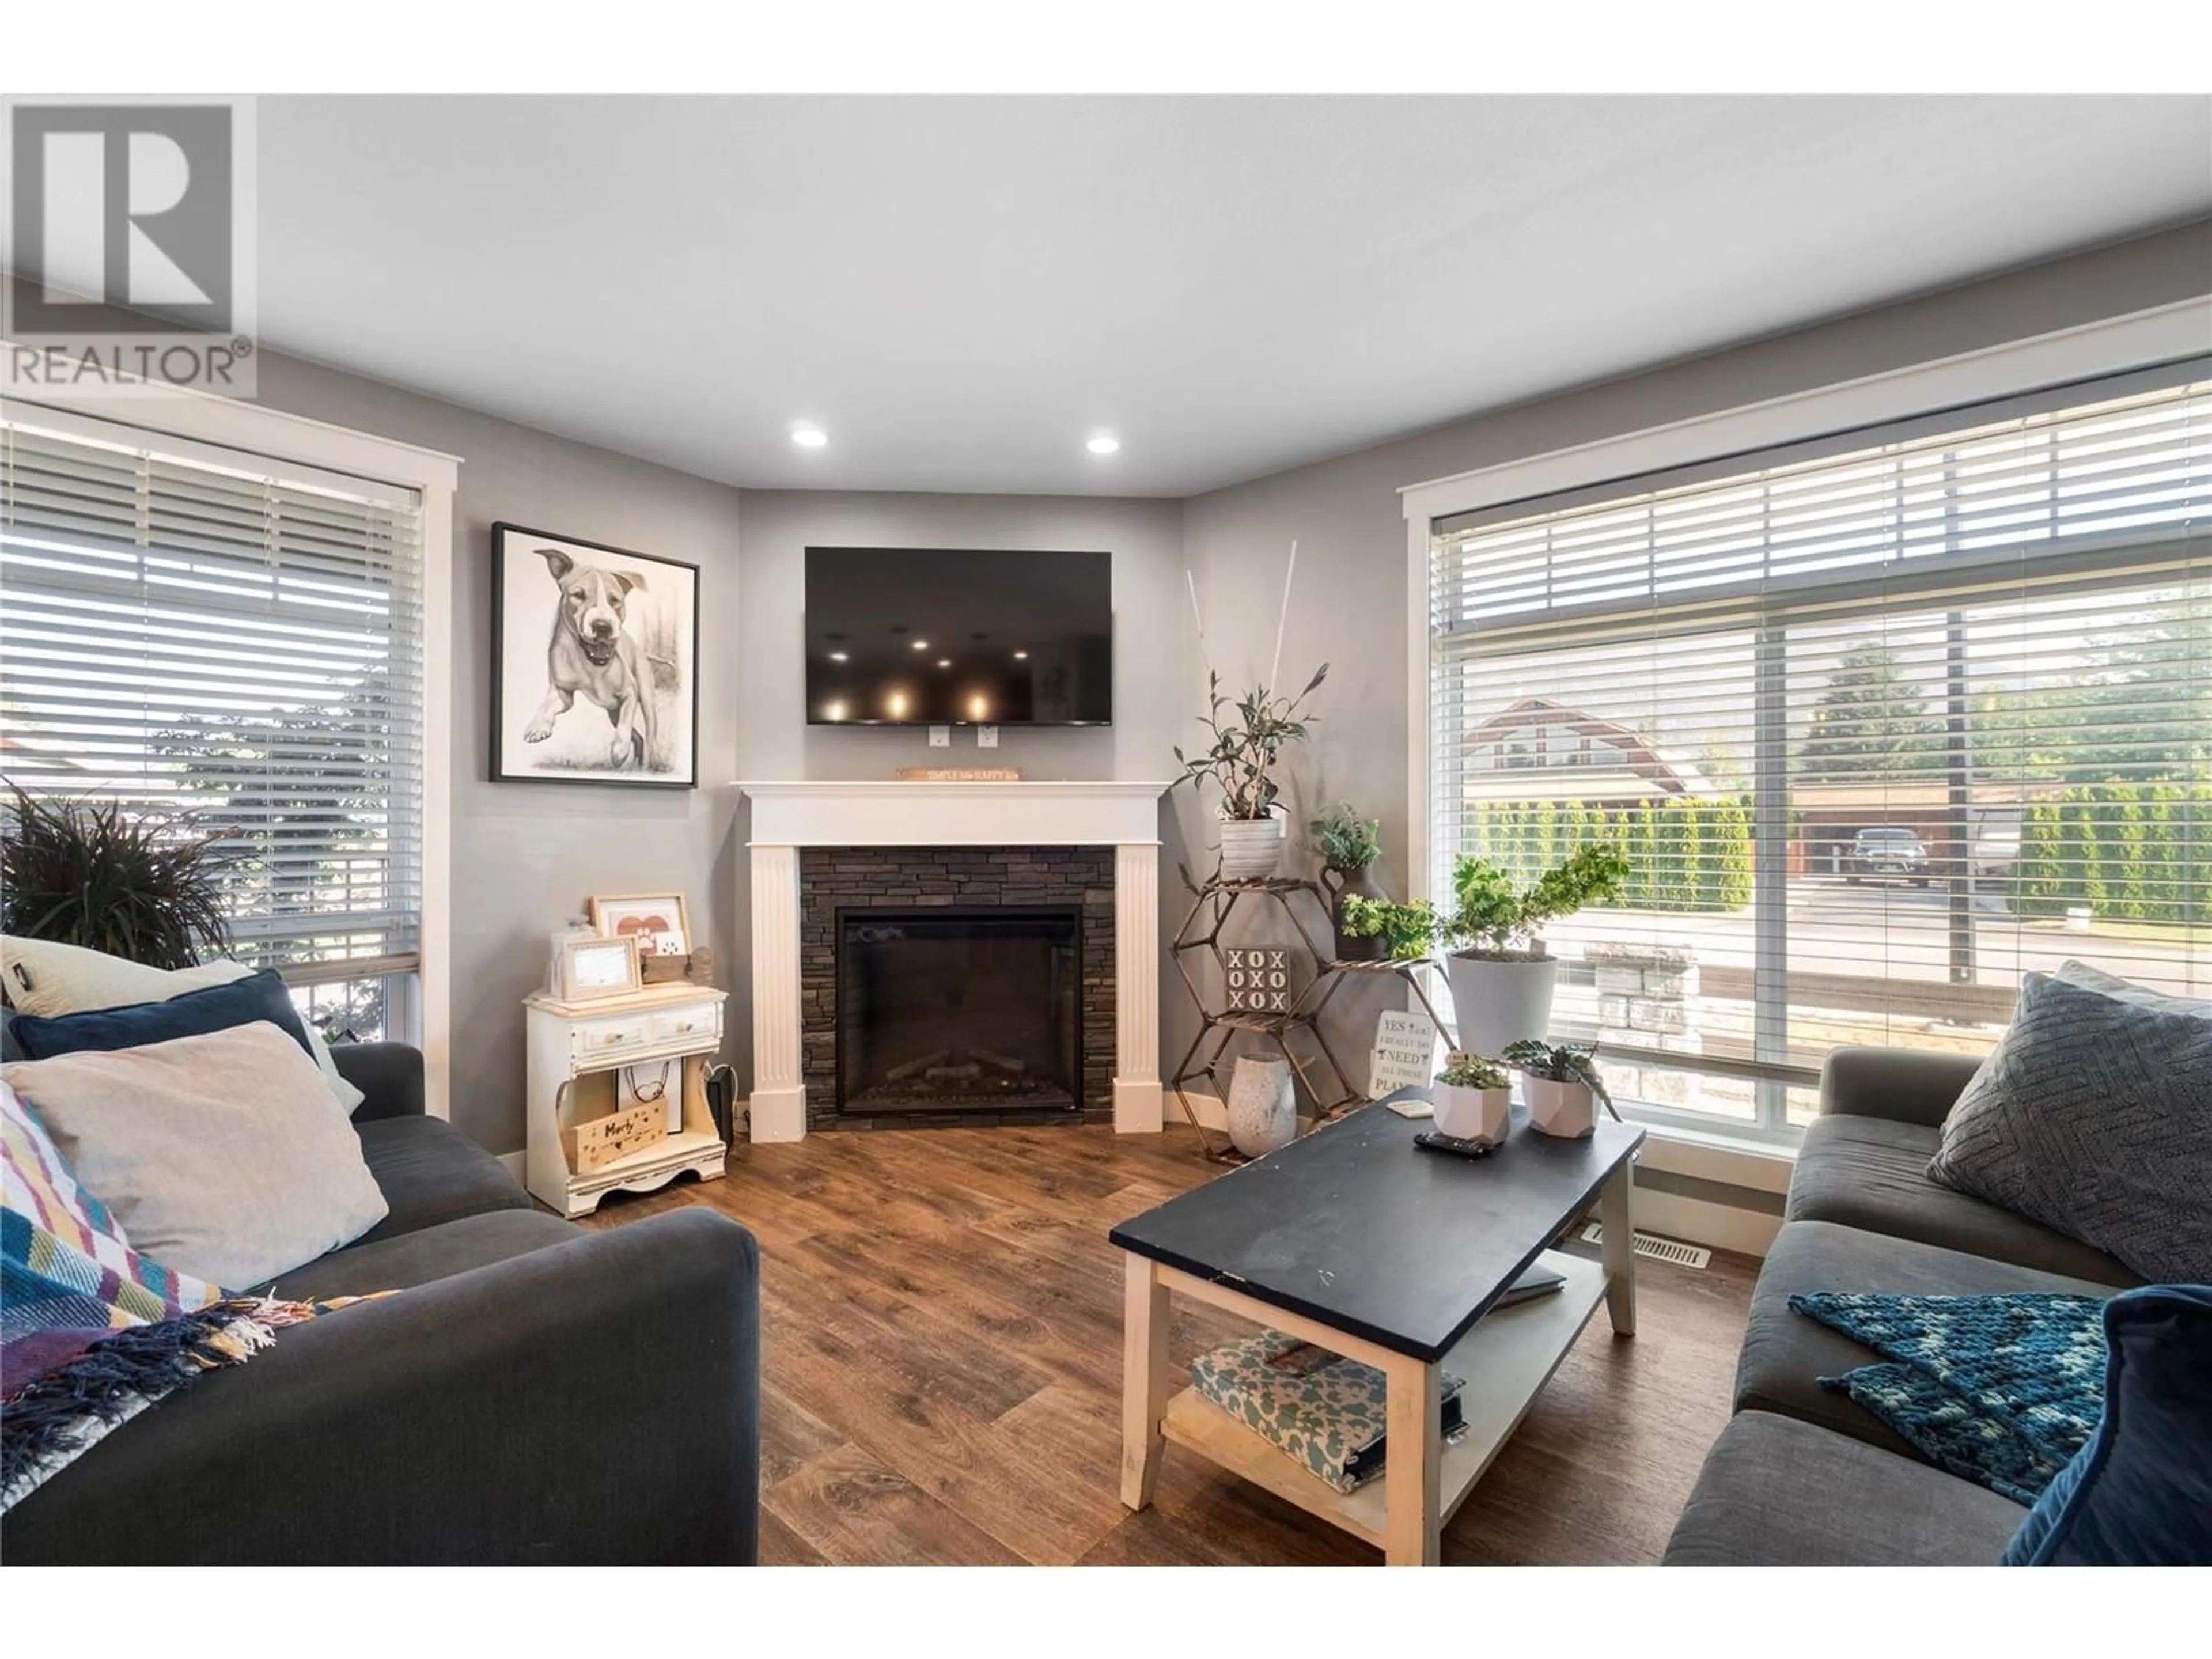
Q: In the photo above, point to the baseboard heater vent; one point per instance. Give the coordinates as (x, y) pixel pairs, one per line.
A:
(1660, 1249)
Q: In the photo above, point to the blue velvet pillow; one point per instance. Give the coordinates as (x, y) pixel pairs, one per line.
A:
(194, 1013)
(2140, 1493)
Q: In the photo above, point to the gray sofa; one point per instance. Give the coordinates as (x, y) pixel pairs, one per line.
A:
(1804, 1477)
(535, 1394)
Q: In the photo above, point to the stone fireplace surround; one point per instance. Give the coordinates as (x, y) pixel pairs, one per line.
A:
(835, 879)
(791, 817)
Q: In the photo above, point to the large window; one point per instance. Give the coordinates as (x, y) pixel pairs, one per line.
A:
(235, 643)
(1879, 732)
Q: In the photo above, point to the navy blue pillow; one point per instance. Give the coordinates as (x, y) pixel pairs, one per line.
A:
(2140, 1493)
(194, 1013)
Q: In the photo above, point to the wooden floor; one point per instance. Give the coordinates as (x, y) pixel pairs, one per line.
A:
(941, 1328)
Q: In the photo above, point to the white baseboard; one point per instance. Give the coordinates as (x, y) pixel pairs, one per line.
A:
(1210, 1113)
(512, 1162)
(1697, 1221)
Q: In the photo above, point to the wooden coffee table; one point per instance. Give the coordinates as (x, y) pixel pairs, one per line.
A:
(1357, 1240)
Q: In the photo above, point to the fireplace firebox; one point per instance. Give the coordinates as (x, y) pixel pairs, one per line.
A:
(959, 1009)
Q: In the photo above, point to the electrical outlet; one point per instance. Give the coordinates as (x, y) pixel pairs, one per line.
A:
(986, 737)
(940, 737)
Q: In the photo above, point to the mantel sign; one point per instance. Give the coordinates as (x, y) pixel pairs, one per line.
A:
(1405, 1053)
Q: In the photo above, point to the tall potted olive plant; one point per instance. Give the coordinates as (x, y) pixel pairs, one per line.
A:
(1248, 735)
(1503, 977)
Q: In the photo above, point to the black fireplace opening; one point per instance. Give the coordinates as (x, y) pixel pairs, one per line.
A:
(952, 1010)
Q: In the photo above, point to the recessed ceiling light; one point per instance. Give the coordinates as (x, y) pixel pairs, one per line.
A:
(1103, 443)
(808, 435)
(836, 708)
(836, 656)
(921, 645)
(944, 662)
(1021, 656)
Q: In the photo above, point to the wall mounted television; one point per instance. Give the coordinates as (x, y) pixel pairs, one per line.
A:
(958, 636)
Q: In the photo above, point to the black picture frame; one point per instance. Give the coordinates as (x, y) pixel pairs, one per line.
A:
(529, 611)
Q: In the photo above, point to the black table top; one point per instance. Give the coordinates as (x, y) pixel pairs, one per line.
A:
(1357, 1227)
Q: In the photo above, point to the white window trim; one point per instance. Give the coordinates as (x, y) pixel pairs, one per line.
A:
(434, 477)
(2114, 346)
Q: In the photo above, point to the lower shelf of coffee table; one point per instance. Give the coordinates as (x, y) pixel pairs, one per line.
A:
(1506, 1358)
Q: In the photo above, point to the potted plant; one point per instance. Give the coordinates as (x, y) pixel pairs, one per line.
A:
(1348, 845)
(1401, 932)
(1502, 981)
(147, 887)
(1473, 1097)
(1241, 760)
(1563, 1086)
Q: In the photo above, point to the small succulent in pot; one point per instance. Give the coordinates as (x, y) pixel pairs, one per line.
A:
(1563, 1082)
(1473, 1097)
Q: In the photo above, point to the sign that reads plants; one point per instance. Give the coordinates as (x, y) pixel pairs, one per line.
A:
(1405, 1053)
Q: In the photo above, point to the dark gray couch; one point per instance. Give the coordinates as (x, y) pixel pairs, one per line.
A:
(1804, 1477)
(535, 1393)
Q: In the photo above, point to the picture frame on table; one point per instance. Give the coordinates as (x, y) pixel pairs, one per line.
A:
(595, 662)
(593, 969)
(660, 922)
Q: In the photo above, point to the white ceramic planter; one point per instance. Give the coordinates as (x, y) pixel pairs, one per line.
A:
(1568, 1110)
(1472, 1114)
(1251, 849)
(1263, 1106)
(1498, 1003)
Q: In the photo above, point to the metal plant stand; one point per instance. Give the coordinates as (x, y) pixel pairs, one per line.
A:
(1267, 1014)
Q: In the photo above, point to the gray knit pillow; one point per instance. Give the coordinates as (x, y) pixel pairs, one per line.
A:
(2094, 1117)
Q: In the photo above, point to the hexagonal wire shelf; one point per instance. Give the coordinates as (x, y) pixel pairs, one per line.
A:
(1279, 1015)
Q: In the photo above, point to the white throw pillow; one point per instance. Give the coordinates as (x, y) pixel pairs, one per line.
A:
(217, 1155)
(45, 978)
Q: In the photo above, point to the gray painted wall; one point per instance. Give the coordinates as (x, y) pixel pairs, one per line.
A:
(1350, 606)
(526, 854)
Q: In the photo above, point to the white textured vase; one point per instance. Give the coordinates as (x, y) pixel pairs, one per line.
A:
(1497, 1004)
(1263, 1106)
(1250, 848)
(1568, 1110)
(1472, 1114)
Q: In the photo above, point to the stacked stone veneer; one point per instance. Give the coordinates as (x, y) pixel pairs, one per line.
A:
(1647, 996)
(834, 878)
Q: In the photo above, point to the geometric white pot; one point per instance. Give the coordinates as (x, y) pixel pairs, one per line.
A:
(1263, 1106)
(1498, 1003)
(1472, 1114)
(1568, 1110)
(1251, 849)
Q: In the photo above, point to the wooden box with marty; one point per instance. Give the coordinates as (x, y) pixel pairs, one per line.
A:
(595, 662)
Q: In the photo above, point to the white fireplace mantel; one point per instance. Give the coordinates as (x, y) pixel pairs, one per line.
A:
(788, 815)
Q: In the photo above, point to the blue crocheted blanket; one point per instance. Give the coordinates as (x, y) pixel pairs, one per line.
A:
(2000, 1390)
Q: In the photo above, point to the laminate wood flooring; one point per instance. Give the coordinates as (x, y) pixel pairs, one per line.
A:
(941, 1330)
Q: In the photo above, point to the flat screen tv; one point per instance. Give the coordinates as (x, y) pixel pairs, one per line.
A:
(958, 636)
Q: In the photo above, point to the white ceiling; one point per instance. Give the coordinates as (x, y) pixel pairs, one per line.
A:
(960, 291)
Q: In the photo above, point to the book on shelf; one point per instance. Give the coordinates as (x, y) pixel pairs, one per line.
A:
(1325, 1412)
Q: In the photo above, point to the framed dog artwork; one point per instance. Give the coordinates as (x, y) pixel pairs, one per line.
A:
(595, 662)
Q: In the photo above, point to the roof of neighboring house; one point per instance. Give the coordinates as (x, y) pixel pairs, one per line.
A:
(1646, 769)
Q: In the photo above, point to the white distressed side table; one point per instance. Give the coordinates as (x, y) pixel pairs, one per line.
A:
(575, 1051)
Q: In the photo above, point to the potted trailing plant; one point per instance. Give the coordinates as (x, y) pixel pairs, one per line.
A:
(1473, 1097)
(1503, 978)
(1563, 1084)
(1247, 741)
(1401, 932)
(1348, 845)
(144, 886)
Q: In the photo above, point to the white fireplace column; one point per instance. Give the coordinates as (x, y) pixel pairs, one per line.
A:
(787, 815)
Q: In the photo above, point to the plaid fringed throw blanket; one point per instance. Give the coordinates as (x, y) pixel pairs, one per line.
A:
(2000, 1389)
(91, 1332)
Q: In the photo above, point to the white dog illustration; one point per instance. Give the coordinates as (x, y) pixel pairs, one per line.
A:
(590, 652)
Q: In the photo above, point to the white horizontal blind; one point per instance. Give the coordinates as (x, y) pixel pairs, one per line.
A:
(1879, 733)
(236, 641)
